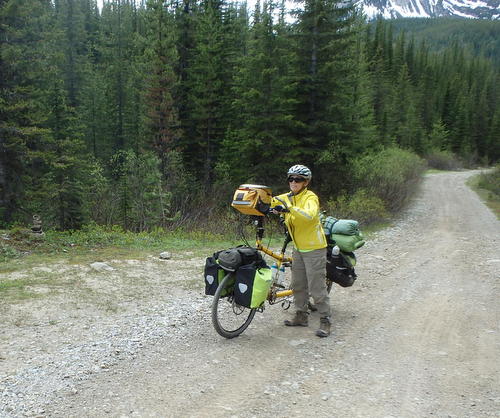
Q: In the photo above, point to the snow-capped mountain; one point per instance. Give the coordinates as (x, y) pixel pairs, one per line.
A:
(391, 9)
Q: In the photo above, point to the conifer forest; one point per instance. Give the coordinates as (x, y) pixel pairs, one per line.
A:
(146, 114)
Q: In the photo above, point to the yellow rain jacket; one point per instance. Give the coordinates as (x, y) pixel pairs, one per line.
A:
(302, 220)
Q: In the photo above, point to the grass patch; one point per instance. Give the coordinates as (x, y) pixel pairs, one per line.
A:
(20, 248)
(370, 230)
(26, 287)
(18, 289)
(434, 171)
(487, 186)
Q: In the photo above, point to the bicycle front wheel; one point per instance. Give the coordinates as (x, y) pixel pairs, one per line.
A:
(229, 318)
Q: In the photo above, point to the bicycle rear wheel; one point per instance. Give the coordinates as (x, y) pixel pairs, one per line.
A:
(229, 319)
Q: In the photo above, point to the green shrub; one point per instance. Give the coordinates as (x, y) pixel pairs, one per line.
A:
(360, 206)
(491, 181)
(443, 160)
(391, 175)
(7, 252)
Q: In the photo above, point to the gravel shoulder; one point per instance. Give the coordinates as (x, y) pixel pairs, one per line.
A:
(416, 336)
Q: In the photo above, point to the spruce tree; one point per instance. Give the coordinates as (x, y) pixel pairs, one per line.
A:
(325, 40)
(262, 105)
(23, 28)
(163, 123)
(205, 89)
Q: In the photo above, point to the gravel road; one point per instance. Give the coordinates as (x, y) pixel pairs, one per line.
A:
(416, 336)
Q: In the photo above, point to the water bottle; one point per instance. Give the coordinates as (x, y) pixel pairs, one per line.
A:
(335, 250)
(274, 272)
(280, 278)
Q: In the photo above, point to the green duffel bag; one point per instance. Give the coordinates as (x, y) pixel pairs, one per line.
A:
(252, 285)
(348, 243)
(345, 227)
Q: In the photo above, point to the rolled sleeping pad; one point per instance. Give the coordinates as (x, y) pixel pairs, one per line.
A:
(348, 243)
(345, 227)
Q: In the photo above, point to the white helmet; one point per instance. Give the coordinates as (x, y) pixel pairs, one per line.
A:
(300, 170)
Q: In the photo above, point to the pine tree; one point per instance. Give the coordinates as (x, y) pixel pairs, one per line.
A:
(71, 41)
(22, 64)
(161, 54)
(66, 173)
(407, 129)
(438, 137)
(325, 39)
(205, 93)
(262, 105)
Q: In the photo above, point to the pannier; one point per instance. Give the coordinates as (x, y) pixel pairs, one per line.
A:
(252, 285)
(214, 274)
(252, 199)
(226, 261)
(340, 268)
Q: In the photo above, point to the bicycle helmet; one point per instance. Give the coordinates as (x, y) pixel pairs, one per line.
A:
(300, 170)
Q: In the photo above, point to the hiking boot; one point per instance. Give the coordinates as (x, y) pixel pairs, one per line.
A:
(324, 327)
(299, 320)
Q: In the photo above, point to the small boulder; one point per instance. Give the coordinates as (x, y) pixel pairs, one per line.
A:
(101, 266)
(165, 255)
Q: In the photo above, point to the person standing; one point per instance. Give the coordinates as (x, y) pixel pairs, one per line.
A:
(300, 209)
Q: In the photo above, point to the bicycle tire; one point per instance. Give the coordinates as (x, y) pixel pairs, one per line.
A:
(228, 318)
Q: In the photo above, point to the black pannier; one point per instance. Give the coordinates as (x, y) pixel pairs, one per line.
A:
(252, 285)
(214, 274)
(340, 270)
(230, 260)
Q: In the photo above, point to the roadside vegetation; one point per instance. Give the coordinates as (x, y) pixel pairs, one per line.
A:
(98, 242)
(385, 183)
(487, 186)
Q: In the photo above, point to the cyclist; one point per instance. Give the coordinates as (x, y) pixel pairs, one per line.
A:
(300, 209)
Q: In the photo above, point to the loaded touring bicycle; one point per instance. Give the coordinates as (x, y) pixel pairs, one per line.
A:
(241, 281)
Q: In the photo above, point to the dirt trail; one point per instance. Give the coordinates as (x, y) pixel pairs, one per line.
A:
(416, 336)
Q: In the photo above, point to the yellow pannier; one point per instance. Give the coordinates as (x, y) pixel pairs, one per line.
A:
(252, 199)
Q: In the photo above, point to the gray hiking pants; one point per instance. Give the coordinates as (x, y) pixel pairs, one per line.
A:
(308, 279)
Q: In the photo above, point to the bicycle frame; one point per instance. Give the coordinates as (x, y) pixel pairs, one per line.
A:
(280, 257)
(230, 319)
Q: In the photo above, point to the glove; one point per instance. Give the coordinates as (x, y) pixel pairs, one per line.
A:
(280, 208)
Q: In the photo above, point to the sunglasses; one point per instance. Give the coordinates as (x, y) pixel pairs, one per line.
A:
(296, 179)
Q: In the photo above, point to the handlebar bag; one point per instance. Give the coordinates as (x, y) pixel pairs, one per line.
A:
(252, 199)
(252, 285)
(214, 274)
